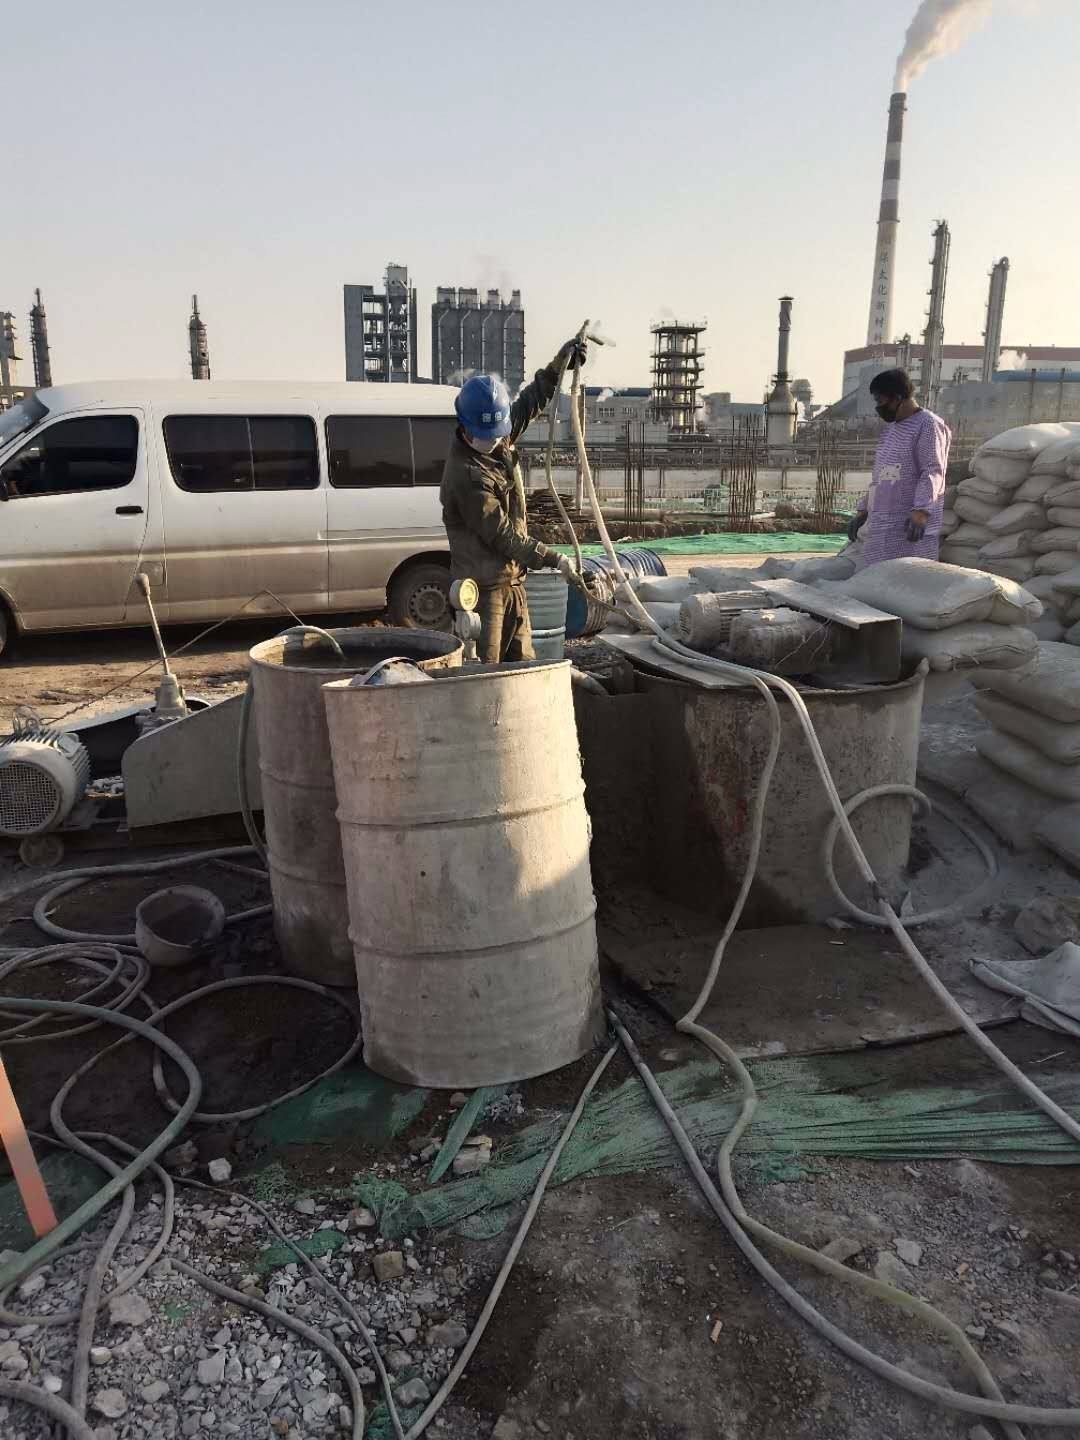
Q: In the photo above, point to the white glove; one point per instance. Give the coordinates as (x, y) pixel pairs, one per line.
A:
(565, 567)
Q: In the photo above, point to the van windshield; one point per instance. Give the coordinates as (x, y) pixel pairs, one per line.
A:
(21, 417)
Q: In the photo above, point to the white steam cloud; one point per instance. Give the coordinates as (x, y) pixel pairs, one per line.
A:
(939, 27)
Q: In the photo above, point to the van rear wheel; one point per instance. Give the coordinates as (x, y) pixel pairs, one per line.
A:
(420, 597)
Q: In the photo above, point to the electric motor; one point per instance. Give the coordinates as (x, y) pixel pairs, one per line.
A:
(43, 775)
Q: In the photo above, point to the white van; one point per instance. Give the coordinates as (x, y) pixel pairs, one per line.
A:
(325, 495)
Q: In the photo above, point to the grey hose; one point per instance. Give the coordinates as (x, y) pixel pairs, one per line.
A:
(553, 415)
(944, 912)
(73, 879)
(258, 844)
(287, 1322)
(52, 1405)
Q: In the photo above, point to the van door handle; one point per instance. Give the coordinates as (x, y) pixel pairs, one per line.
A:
(129, 510)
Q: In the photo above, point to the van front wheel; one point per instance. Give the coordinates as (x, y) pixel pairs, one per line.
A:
(420, 598)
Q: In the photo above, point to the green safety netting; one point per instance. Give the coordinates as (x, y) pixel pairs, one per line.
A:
(782, 542)
(817, 1106)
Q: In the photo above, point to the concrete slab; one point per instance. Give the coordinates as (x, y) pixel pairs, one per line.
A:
(803, 989)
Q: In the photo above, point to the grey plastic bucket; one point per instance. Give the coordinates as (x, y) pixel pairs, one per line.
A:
(549, 644)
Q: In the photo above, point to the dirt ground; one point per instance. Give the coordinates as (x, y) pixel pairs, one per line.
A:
(630, 1312)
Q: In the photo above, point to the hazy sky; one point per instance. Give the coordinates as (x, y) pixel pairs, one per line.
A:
(619, 161)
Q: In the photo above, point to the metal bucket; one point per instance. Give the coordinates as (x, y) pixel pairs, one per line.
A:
(546, 592)
(549, 644)
(588, 616)
(307, 876)
(466, 848)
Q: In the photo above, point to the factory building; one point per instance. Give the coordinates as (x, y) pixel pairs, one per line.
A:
(474, 336)
(979, 409)
(380, 330)
(677, 368)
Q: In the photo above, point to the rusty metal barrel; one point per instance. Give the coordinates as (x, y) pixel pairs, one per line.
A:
(466, 847)
(307, 876)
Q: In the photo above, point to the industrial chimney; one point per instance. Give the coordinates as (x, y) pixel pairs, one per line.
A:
(200, 351)
(780, 408)
(39, 343)
(879, 326)
(995, 314)
(934, 334)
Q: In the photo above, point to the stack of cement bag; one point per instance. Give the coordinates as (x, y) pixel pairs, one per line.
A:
(1018, 515)
(954, 618)
(1035, 739)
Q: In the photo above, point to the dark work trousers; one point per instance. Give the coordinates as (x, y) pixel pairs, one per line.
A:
(505, 632)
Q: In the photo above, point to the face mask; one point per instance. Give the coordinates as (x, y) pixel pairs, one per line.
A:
(484, 446)
(885, 411)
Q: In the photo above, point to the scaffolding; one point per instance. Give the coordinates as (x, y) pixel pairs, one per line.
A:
(39, 343)
(677, 369)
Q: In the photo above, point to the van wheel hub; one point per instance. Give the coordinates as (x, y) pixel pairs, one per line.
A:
(428, 608)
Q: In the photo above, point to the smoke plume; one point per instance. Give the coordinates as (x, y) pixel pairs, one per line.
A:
(939, 27)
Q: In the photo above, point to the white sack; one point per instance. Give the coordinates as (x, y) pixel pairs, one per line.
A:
(1023, 515)
(1064, 494)
(1061, 537)
(925, 593)
(1024, 441)
(1060, 782)
(1051, 686)
(970, 507)
(1072, 635)
(1020, 569)
(950, 521)
(1048, 628)
(1042, 587)
(1064, 515)
(1008, 547)
(998, 471)
(663, 588)
(823, 567)
(1056, 563)
(1059, 831)
(1055, 458)
(985, 490)
(968, 533)
(1057, 741)
(1014, 605)
(1068, 582)
(966, 556)
(970, 646)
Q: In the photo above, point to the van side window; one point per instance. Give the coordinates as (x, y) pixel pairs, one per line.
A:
(212, 454)
(431, 436)
(368, 451)
(92, 452)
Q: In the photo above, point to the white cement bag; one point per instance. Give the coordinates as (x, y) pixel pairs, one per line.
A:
(1068, 582)
(1072, 635)
(1060, 782)
(1034, 487)
(983, 490)
(1061, 537)
(970, 646)
(1042, 587)
(1024, 441)
(968, 533)
(970, 507)
(1058, 742)
(950, 521)
(1008, 547)
(1051, 686)
(1059, 831)
(1056, 563)
(965, 556)
(1067, 516)
(1055, 458)
(823, 567)
(1067, 494)
(1023, 515)
(925, 593)
(716, 577)
(664, 612)
(999, 471)
(1014, 605)
(1071, 613)
(1048, 628)
(664, 588)
(1020, 569)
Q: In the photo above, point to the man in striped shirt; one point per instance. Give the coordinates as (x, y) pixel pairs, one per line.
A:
(902, 511)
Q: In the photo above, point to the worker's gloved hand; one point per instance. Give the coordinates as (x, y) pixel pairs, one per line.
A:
(565, 567)
(916, 526)
(855, 524)
(574, 352)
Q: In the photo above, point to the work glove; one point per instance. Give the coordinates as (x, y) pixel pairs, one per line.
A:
(915, 530)
(855, 524)
(565, 567)
(574, 352)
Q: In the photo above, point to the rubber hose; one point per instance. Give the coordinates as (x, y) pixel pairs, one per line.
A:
(238, 983)
(951, 1399)
(52, 1405)
(73, 879)
(553, 415)
(287, 1322)
(21, 1265)
(944, 912)
(258, 844)
(89, 957)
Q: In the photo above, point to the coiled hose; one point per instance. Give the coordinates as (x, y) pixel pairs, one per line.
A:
(728, 1206)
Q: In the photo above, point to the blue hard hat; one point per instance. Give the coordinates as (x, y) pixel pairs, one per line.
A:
(483, 407)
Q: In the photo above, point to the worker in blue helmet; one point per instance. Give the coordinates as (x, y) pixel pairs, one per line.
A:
(483, 502)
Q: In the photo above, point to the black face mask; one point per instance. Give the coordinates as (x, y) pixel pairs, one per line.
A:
(886, 410)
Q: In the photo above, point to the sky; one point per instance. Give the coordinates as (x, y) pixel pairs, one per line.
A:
(623, 162)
